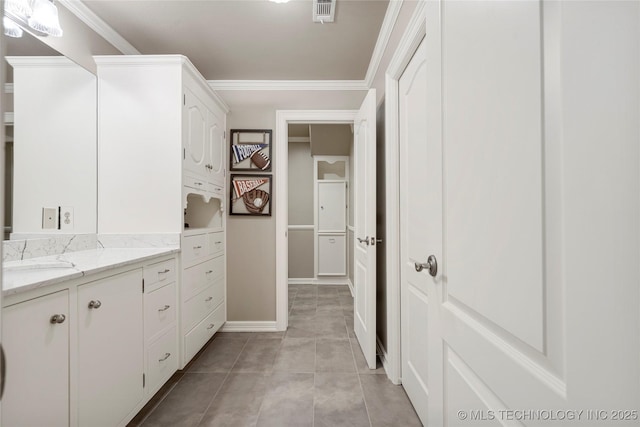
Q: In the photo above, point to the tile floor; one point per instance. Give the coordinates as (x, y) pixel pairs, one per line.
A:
(312, 375)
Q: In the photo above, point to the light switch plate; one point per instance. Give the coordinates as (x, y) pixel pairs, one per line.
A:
(66, 218)
(49, 218)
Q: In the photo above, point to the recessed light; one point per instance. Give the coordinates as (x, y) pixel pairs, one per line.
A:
(279, 1)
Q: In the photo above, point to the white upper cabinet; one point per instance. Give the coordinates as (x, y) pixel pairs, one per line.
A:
(217, 145)
(196, 148)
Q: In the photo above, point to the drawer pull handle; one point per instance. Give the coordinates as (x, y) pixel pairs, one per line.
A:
(211, 326)
(208, 272)
(58, 318)
(95, 304)
(208, 299)
(166, 270)
(165, 308)
(166, 356)
(197, 247)
(217, 243)
(198, 183)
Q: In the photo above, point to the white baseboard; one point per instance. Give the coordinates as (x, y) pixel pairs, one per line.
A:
(350, 283)
(249, 326)
(321, 281)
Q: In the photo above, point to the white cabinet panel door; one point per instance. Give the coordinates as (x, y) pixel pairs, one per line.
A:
(195, 134)
(110, 345)
(332, 207)
(37, 362)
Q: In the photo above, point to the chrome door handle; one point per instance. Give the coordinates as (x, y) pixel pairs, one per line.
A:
(95, 304)
(365, 240)
(431, 265)
(57, 318)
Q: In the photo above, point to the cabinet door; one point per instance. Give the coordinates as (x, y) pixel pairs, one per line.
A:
(216, 145)
(37, 359)
(332, 207)
(110, 346)
(195, 134)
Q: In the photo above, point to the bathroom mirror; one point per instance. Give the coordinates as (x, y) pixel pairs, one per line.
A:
(51, 150)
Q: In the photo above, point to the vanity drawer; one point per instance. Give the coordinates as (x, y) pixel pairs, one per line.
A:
(200, 276)
(196, 183)
(159, 310)
(203, 332)
(162, 359)
(160, 272)
(202, 304)
(216, 190)
(216, 243)
(194, 249)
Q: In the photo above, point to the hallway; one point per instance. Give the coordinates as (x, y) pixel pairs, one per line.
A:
(312, 375)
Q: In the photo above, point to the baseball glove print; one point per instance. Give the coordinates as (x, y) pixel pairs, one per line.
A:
(255, 200)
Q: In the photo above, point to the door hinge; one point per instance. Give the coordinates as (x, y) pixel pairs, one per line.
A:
(224, 134)
(184, 99)
(143, 285)
(144, 381)
(184, 154)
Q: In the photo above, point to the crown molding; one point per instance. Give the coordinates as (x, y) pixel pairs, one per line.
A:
(39, 61)
(389, 22)
(104, 30)
(288, 84)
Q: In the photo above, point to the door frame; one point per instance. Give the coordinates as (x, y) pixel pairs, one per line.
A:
(408, 45)
(281, 199)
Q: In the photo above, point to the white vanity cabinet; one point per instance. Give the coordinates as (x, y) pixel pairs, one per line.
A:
(110, 347)
(35, 336)
(93, 350)
(162, 166)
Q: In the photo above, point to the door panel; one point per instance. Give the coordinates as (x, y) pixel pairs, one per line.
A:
(414, 232)
(493, 164)
(365, 227)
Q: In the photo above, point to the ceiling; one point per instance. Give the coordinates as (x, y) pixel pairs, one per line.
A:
(251, 39)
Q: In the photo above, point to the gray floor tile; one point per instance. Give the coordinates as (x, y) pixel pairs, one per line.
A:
(339, 401)
(268, 335)
(303, 309)
(334, 355)
(296, 355)
(361, 363)
(346, 301)
(301, 327)
(258, 355)
(235, 335)
(288, 400)
(387, 403)
(238, 402)
(330, 326)
(344, 291)
(187, 401)
(219, 356)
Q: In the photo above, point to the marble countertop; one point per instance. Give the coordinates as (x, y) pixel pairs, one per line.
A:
(33, 273)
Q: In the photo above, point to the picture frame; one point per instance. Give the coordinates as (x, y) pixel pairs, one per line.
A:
(248, 194)
(251, 150)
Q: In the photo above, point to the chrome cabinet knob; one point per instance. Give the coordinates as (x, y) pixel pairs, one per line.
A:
(431, 265)
(57, 318)
(95, 304)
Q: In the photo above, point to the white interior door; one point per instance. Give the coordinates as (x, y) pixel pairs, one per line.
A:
(522, 328)
(365, 227)
(416, 287)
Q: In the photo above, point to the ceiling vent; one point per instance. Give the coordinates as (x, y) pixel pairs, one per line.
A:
(324, 10)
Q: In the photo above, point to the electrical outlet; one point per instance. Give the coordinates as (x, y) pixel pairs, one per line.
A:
(66, 217)
(49, 218)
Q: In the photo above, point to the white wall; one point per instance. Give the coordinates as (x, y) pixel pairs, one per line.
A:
(301, 251)
(55, 160)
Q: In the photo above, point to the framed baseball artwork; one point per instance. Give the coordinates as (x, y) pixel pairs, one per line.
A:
(250, 195)
(250, 150)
